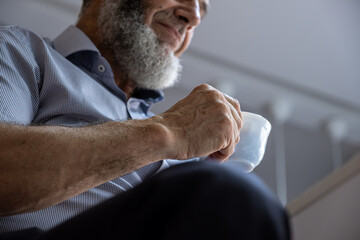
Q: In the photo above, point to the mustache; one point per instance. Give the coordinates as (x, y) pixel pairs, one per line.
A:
(170, 18)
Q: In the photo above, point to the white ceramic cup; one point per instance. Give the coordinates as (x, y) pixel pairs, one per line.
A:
(253, 138)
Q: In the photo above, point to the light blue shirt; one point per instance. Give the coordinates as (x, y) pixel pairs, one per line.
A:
(65, 82)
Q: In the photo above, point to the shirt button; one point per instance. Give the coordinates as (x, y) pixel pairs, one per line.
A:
(101, 68)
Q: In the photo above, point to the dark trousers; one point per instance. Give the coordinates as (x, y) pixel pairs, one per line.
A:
(198, 200)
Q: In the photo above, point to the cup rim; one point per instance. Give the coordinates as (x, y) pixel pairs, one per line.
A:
(266, 124)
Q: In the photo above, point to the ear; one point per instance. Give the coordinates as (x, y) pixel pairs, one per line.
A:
(186, 42)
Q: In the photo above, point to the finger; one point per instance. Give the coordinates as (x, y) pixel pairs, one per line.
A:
(216, 157)
(237, 117)
(233, 108)
(235, 103)
(222, 155)
(226, 152)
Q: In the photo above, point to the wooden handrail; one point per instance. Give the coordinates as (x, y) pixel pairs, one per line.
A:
(325, 186)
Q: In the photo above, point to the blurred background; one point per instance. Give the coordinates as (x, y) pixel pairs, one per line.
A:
(295, 62)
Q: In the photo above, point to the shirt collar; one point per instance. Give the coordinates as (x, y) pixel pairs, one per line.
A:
(73, 40)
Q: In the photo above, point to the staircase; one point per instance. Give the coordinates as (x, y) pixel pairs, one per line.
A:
(330, 210)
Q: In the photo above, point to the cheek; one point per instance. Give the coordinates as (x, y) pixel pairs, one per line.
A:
(185, 44)
(147, 18)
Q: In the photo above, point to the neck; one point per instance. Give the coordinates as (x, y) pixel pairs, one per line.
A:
(122, 80)
(87, 23)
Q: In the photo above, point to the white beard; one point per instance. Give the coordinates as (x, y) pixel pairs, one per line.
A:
(138, 52)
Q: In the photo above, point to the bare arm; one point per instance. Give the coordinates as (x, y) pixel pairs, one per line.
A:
(44, 165)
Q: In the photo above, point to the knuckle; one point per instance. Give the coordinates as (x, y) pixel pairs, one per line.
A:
(237, 103)
(203, 86)
(237, 139)
(222, 108)
(226, 121)
(240, 124)
(214, 94)
(197, 89)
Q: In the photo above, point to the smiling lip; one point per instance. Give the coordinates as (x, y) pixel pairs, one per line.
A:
(172, 30)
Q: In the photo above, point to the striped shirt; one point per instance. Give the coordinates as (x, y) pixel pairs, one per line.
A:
(65, 82)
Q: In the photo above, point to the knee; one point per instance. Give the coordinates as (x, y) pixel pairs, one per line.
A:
(195, 175)
(215, 181)
(219, 199)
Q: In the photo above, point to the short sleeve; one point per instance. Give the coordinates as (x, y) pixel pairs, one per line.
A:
(19, 77)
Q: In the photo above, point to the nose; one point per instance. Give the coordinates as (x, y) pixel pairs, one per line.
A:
(189, 12)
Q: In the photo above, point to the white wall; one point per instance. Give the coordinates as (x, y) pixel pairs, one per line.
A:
(312, 44)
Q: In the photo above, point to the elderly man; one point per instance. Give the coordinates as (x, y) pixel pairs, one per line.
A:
(82, 157)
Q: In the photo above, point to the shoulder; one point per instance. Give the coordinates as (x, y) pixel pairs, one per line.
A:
(18, 32)
(20, 44)
(15, 35)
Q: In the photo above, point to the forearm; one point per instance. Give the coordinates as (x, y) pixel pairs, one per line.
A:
(41, 166)
(45, 165)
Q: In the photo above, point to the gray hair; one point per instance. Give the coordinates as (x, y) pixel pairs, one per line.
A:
(138, 52)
